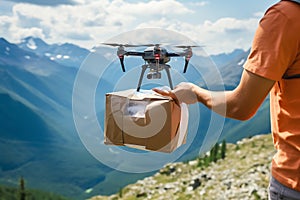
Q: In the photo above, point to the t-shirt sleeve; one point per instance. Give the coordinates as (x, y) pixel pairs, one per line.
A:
(273, 48)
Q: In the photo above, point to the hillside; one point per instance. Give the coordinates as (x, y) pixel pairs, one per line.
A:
(243, 174)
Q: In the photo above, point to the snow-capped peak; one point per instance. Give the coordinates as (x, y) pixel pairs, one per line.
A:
(31, 44)
(242, 61)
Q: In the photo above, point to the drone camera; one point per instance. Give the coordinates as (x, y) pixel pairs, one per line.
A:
(154, 75)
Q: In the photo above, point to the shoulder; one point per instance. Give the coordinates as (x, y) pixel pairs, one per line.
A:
(285, 9)
(276, 42)
(282, 19)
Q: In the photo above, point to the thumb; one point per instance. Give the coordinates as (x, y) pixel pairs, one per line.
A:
(162, 92)
(167, 93)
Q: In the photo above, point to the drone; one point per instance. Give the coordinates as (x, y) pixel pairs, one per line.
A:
(156, 59)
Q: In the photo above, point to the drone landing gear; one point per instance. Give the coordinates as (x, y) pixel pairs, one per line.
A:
(155, 75)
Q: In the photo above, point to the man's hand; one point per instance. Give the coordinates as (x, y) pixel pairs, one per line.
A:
(182, 93)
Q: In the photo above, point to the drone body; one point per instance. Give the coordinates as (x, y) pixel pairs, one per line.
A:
(156, 54)
(156, 59)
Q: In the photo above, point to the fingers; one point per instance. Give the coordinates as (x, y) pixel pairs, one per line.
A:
(161, 92)
(167, 93)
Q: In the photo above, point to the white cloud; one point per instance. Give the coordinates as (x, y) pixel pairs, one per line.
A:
(45, 3)
(86, 22)
(225, 25)
(89, 22)
(152, 8)
(222, 35)
(5, 23)
(258, 14)
(200, 3)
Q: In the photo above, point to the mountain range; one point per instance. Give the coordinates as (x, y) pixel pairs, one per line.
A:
(38, 137)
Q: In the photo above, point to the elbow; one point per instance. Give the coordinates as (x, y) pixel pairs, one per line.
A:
(244, 117)
(241, 114)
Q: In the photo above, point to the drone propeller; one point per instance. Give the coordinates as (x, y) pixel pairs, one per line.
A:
(152, 45)
(186, 46)
(122, 45)
(121, 51)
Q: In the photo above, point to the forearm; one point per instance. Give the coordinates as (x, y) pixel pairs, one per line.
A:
(226, 103)
(241, 103)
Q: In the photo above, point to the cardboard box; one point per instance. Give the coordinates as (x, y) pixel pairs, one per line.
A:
(143, 120)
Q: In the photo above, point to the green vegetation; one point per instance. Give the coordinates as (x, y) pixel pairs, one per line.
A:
(21, 193)
(214, 155)
(228, 171)
(223, 149)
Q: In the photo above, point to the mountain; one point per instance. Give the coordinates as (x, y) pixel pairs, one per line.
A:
(66, 54)
(232, 70)
(230, 67)
(243, 174)
(38, 137)
(223, 59)
(34, 81)
(260, 123)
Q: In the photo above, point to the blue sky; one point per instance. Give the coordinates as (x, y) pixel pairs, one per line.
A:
(219, 25)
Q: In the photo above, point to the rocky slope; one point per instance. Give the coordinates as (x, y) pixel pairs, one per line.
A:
(243, 174)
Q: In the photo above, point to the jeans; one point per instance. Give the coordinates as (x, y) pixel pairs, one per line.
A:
(277, 191)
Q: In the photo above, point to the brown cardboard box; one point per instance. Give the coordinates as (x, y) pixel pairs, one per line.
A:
(142, 120)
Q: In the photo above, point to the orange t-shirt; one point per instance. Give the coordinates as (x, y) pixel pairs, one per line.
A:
(275, 55)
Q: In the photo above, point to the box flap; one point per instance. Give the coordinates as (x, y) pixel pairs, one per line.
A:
(141, 95)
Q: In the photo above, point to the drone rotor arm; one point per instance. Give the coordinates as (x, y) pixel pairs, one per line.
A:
(122, 63)
(174, 54)
(121, 52)
(186, 65)
(188, 55)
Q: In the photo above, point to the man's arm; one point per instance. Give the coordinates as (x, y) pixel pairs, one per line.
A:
(241, 103)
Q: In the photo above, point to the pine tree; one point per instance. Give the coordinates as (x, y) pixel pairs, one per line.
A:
(212, 155)
(121, 193)
(223, 149)
(22, 189)
(206, 161)
(216, 152)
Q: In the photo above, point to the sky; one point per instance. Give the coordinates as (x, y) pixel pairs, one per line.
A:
(221, 26)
